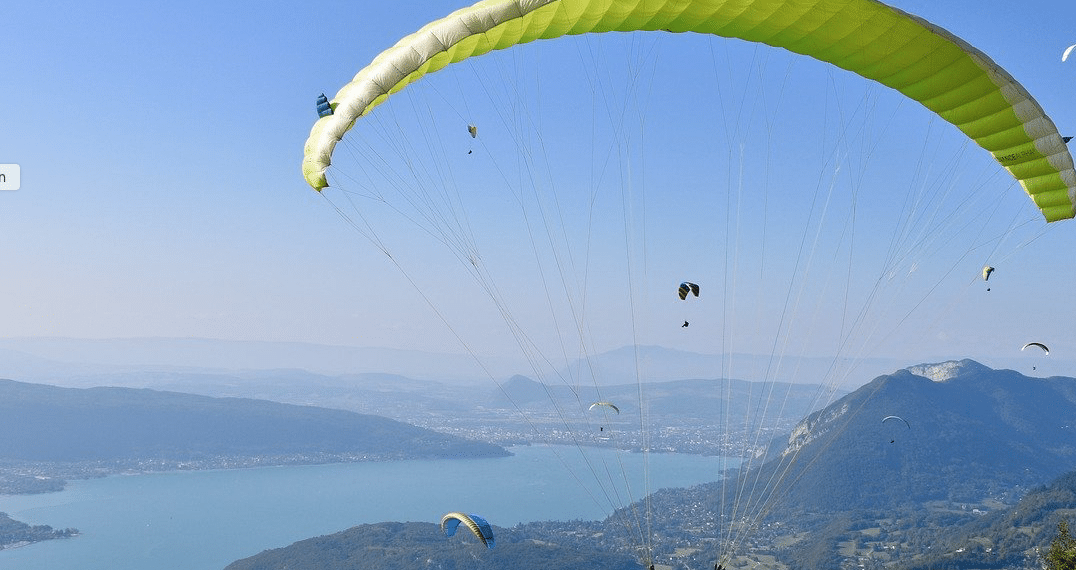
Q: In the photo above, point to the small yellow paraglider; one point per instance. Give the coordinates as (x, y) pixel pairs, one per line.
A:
(987, 270)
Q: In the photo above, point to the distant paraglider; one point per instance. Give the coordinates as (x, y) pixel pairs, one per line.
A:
(987, 270)
(896, 419)
(610, 405)
(474, 523)
(1068, 50)
(473, 130)
(323, 106)
(687, 287)
(1038, 344)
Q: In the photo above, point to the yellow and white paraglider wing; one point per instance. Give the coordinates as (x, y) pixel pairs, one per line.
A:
(904, 52)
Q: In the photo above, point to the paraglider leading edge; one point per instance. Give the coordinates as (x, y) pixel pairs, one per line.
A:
(867, 37)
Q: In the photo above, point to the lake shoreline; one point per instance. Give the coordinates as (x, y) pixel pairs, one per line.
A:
(17, 534)
(30, 478)
(189, 519)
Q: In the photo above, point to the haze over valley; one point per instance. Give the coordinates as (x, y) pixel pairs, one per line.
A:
(840, 487)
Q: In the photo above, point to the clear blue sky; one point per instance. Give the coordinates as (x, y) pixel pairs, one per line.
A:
(160, 146)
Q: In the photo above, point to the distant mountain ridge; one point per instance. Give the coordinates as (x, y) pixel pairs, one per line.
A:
(973, 431)
(48, 423)
(706, 399)
(52, 359)
(58, 360)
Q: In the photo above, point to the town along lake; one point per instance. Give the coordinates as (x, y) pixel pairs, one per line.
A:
(204, 520)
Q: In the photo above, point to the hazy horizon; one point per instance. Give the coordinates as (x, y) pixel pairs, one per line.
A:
(81, 362)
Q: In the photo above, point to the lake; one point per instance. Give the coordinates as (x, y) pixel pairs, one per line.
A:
(204, 520)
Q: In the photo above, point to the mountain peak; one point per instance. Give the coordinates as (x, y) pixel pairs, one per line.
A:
(959, 418)
(519, 381)
(520, 390)
(942, 371)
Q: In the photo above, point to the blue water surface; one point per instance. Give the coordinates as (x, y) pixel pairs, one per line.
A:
(203, 520)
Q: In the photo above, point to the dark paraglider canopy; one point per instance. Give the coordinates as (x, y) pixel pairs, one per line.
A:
(1038, 344)
(687, 286)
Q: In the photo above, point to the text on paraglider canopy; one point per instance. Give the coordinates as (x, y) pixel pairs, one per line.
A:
(1014, 157)
(9, 176)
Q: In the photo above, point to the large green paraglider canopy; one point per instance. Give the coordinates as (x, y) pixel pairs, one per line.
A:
(879, 42)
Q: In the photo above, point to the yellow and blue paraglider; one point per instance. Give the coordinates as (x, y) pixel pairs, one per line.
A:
(474, 523)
